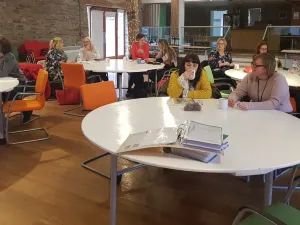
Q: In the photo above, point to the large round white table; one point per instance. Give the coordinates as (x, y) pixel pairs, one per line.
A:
(292, 79)
(6, 85)
(259, 141)
(121, 66)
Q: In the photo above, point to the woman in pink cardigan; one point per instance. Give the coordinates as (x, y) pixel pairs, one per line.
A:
(266, 88)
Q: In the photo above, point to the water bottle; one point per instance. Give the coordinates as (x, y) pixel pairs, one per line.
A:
(79, 58)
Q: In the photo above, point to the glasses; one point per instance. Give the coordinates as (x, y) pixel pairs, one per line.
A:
(256, 66)
(221, 43)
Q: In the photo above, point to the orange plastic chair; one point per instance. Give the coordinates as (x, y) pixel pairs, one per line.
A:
(97, 94)
(28, 105)
(74, 77)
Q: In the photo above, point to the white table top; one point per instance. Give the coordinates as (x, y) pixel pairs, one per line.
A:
(292, 79)
(117, 66)
(290, 51)
(257, 143)
(8, 83)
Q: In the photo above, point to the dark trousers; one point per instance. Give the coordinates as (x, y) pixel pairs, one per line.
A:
(137, 79)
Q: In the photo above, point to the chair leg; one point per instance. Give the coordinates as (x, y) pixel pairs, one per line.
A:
(28, 141)
(120, 172)
(21, 117)
(68, 112)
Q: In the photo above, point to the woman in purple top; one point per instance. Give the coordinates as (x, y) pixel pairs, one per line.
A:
(266, 88)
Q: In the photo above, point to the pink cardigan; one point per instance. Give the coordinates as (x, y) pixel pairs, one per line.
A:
(264, 94)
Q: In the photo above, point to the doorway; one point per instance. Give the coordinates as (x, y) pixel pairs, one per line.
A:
(107, 30)
(254, 15)
(217, 19)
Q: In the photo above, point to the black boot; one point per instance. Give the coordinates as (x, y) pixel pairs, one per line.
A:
(26, 116)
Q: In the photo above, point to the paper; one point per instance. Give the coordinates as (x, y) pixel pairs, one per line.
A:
(151, 138)
(204, 133)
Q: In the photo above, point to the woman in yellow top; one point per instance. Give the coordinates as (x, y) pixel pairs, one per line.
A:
(191, 81)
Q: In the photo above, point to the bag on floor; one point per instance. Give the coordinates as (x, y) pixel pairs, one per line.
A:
(68, 97)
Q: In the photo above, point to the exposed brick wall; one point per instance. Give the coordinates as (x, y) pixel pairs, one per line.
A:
(22, 20)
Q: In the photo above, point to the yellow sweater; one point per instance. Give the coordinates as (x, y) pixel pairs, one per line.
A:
(202, 90)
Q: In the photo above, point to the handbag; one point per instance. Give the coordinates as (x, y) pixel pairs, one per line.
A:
(68, 97)
(215, 92)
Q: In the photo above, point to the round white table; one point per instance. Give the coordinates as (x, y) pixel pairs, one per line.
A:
(6, 85)
(257, 144)
(121, 66)
(292, 79)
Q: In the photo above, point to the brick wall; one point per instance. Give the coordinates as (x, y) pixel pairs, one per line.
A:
(22, 20)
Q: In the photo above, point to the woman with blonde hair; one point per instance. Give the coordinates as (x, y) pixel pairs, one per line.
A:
(266, 88)
(54, 57)
(89, 53)
(220, 60)
(166, 55)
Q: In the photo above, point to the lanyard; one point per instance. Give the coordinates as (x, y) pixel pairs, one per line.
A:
(262, 92)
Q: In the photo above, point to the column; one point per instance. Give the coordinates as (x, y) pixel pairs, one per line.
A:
(177, 19)
(133, 13)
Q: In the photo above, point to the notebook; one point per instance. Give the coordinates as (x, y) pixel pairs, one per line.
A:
(196, 155)
(189, 136)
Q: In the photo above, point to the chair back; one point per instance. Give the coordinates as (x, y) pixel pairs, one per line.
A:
(40, 86)
(209, 74)
(98, 94)
(293, 103)
(74, 75)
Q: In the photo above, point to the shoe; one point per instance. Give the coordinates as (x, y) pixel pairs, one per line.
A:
(26, 116)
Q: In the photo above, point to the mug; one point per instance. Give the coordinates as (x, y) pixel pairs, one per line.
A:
(138, 60)
(193, 76)
(236, 66)
(223, 103)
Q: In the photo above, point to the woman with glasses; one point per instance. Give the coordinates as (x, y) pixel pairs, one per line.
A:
(266, 88)
(89, 53)
(191, 81)
(220, 60)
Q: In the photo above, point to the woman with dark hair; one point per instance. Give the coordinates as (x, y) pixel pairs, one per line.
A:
(262, 47)
(140, 49)
(9, 68)
(191, 81)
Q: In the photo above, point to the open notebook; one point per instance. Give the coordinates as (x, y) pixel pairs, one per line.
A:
(189, 136)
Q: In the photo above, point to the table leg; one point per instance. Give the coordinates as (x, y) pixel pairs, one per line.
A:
(120, 75)
(156, 91)
(268, 189)
(113, 189)
(285, 58)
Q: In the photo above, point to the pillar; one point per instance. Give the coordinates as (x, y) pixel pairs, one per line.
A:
(177, 19)
(133, 13)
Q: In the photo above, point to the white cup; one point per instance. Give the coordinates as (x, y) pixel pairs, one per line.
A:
(223, 103)
(107, 60)
(124, 59)
(236, 66)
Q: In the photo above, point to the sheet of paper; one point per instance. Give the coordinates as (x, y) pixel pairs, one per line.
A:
(204, 133)
(151, 138)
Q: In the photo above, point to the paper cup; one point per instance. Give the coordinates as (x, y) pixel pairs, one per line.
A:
(236, 66)
(223, 103)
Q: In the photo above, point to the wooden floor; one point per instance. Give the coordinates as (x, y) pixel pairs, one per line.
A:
(44, 184)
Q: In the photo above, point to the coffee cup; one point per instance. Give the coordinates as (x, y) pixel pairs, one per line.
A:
(138, 60)
(236, 66)
(223, 103)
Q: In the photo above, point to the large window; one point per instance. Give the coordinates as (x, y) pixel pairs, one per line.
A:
(107, 30)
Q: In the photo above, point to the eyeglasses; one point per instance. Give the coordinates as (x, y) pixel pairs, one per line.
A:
(221, 43)
(256, 66)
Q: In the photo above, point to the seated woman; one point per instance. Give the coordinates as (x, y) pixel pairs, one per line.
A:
(166, 55)
(140, 49)
(191, 81)
(9, 68)
(220, 60)
(262, 47)
(89, 53)
(54, 57)
(266, 88)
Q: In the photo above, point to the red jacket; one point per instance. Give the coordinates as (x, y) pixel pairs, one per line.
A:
(134, 51)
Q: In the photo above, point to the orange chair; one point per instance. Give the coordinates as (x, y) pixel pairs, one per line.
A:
(74, 78)
(293, 102)
(97, 95)
(93, 97)
(28, 105)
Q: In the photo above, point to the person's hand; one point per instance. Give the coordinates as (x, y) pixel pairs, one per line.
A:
(151, 60)
(231, 102)
(243, 106)
(141, 51)
(187, 74)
